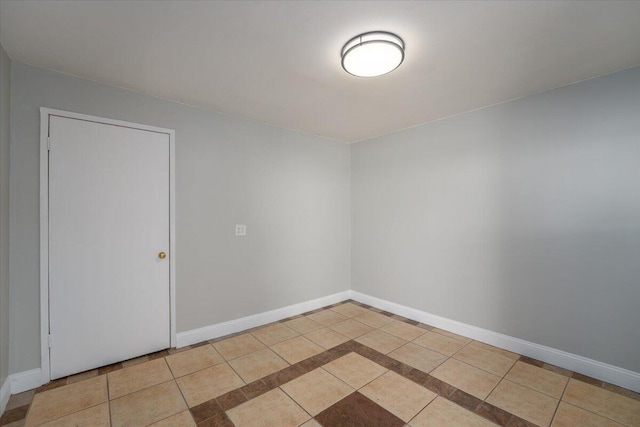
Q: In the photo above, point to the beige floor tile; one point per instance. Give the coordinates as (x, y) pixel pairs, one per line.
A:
(485, 360)
(317, 390)
(373, 319)
(467, 378)
(603, 402)
(96, 416)
(193, 360)
(351, 328)
(349, 309)
(440, 343)
(451, 335)
(443, 413)
(355, 370)
(398, 395)
(56, 403)
(241, 345)
(147, 406)
(572, 416)
(403, 330)
(381, 341)
(182, 419)
(303, 325)
(326, 338)
(296, 349)
(257, 365)
(82, 376)
(539, 379)
(274, 334)
(327, 317)
(209, 383)
(311, 423)
(137, 377)
(528, 404)
(497, 350)
(418, 357)
(273, 408)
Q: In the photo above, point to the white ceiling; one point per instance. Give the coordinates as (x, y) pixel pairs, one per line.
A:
(278, 62)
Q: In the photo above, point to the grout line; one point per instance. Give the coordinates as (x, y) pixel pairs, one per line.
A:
(591, 412)
(564, 390)
(294, 401)
(106, 377)
(504, 377)
(359, 345)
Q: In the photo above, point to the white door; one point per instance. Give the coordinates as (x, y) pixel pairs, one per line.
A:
(109, 296)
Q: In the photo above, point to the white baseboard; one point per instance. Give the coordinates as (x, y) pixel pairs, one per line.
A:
(232, 326)
(17, 383)
(593, 368)
(5, 394)
(27, 380)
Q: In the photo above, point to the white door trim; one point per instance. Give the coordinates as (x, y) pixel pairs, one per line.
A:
(44, 224)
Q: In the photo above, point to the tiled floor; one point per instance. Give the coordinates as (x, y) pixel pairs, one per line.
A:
(344, 365)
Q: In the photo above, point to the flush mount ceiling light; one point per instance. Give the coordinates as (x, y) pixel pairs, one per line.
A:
(372, 54)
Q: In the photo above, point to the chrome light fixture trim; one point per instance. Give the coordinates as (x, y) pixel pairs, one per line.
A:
(372, 54)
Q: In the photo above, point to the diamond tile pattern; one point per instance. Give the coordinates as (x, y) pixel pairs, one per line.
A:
(357, 410)
(344, 365)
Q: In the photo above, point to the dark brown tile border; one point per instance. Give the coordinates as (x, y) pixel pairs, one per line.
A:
(212, 413)
(109, 368)
(423, 326)
(226, 337)
(586, 379)
(317, 310)
(254, 389)
(558, 370)
(621, 391)
(175, 350)
(531, 361)
(220, 420)
(439, 386)
(158, 355)
(357, 410)
(206, 410)
(465, 400)
(287, 319)
(13, 415)
(580, 377)
(200, 344)
(284, 376)
(231, 399)
(493, 413)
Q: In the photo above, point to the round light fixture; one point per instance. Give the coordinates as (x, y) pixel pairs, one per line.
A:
(372, 54)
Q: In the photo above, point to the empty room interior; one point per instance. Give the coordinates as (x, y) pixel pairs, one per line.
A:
(319, 213)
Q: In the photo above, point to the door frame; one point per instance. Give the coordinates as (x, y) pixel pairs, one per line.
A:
(45, 113)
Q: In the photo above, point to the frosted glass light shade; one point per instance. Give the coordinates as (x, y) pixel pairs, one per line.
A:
(372, 54)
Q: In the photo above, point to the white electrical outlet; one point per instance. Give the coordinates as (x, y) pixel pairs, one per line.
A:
(241, 230)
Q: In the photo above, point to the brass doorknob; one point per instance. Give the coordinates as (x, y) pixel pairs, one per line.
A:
(162, 255)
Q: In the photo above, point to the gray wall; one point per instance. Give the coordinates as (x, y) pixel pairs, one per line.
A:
(522, 218)
(5, 103)
(291, 189)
